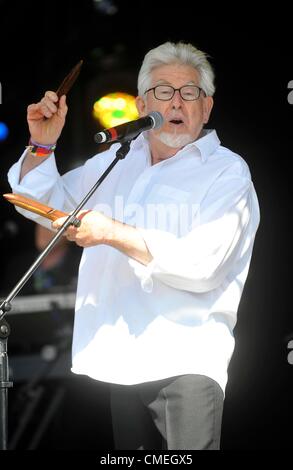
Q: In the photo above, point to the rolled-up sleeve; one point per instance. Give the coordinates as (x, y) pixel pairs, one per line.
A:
(46, 185)
(201, 260)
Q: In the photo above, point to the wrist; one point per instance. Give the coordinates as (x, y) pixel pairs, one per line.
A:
(109, 234)
(40, 150)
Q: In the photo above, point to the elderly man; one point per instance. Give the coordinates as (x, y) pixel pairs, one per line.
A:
(161, 278)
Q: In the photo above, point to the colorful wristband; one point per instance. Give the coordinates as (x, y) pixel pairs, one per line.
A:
(40, 150)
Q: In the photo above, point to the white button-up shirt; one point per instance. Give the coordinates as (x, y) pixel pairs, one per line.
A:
(198, 214)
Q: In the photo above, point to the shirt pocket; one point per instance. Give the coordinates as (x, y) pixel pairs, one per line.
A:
(168, 208)
(163, 192)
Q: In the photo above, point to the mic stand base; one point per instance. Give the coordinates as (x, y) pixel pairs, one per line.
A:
(4, 383)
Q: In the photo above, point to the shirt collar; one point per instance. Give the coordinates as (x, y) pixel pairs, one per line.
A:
(206, 144)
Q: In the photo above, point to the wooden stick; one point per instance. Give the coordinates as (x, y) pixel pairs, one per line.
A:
(69, 80)
(34, 206)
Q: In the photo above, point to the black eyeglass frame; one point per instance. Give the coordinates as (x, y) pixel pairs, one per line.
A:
(174, 91)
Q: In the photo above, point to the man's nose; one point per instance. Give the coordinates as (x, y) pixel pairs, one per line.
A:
(177, 100)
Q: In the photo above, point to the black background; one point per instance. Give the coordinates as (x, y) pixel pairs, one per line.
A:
(252, 54)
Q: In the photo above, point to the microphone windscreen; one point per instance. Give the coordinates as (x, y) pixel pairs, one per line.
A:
(157, 118)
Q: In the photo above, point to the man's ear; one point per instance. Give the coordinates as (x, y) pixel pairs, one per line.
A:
(141, 106)
(208, 106)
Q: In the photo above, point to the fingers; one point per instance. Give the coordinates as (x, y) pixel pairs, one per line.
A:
(71, 237)
(51, 95)
(70, 232)
(57, 224)
(62, 110)
(32, 109)
(48, 106)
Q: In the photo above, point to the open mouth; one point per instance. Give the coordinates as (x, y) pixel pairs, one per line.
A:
(177, 122)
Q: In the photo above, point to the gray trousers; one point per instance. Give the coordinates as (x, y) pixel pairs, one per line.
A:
(183, 412)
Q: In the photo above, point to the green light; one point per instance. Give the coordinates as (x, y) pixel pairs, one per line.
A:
(118, 113)
(115, 108)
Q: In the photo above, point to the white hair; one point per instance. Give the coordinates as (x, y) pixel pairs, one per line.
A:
(179, 53)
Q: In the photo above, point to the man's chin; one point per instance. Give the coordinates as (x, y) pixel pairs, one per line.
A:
(174, 141)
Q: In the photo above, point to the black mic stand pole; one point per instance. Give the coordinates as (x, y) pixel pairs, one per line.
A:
(5, 305)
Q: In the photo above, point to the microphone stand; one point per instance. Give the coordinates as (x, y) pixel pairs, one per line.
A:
(5, 305)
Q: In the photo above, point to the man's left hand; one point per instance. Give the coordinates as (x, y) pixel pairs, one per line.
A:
(93, 229)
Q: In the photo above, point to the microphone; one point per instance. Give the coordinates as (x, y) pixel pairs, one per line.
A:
(131, 129)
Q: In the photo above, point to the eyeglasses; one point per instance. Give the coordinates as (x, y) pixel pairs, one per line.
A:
(166, 92)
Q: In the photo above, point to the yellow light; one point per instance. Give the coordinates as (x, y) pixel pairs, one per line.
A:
(120, 103)
(114, 109)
